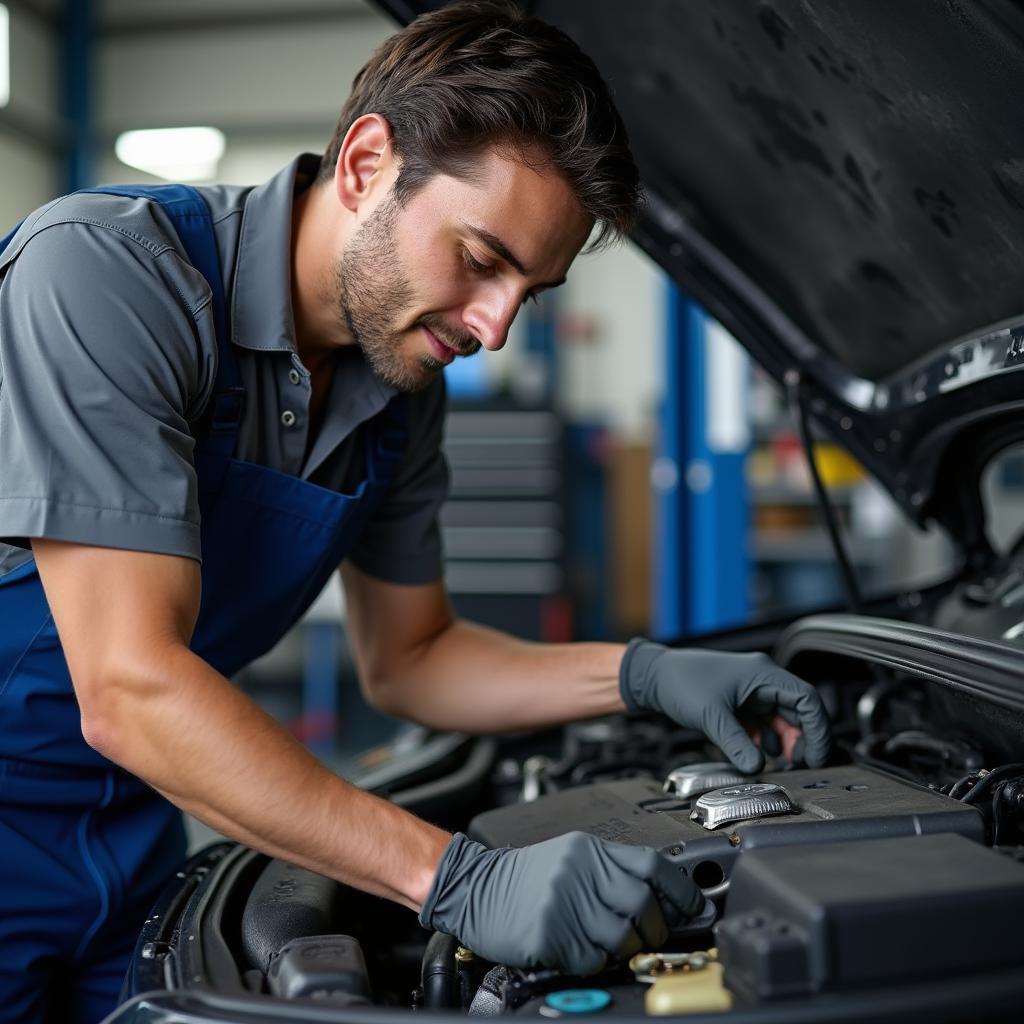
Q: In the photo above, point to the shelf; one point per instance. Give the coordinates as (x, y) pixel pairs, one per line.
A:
(775, 494)
(813, 545)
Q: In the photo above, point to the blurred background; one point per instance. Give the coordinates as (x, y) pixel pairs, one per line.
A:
(619, 468)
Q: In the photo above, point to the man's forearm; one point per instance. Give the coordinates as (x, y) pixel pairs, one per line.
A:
(193, 736)
(473, 679)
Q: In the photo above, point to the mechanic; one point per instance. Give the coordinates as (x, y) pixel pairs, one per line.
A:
(211, 400)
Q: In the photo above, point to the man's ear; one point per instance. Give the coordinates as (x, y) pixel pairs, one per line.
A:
(364, 157)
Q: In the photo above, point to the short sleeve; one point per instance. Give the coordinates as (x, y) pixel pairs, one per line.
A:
(100, 372)
(402, 541)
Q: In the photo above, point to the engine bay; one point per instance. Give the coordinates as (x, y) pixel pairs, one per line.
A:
(897, 867)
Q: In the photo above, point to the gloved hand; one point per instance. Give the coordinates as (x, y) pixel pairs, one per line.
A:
(705, 690)
(571, 903)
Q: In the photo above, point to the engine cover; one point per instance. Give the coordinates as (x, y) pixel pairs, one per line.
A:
(847, 916)
(831, 805)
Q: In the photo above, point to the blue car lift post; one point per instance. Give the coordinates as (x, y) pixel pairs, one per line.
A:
(701, 566)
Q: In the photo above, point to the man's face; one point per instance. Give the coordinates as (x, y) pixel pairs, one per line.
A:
(444, 275)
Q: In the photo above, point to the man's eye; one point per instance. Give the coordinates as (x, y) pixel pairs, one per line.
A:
(473, 264)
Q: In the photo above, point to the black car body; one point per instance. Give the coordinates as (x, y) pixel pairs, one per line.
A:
(842, 186)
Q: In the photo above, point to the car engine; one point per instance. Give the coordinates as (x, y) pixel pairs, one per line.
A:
(899, 864)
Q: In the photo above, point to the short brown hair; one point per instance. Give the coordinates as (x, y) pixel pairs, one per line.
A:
(480, 73)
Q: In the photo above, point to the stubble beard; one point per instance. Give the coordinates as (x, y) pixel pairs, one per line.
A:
(370, 285)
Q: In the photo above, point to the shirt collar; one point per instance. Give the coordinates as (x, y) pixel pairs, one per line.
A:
(261, 301)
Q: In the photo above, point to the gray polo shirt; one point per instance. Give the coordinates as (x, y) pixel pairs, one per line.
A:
(108, 355)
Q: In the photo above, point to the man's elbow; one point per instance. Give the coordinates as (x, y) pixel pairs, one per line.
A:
(102, 703)
(100, 733)
(97, 705)
(109, 698)
(382, 694)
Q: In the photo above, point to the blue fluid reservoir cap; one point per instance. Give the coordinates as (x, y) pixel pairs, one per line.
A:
(579, 1000)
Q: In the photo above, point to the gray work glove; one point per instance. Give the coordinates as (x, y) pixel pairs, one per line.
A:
(705, 690)
(572, 903)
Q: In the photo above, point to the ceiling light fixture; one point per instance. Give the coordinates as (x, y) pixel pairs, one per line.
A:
(177, 154)
(5, 56)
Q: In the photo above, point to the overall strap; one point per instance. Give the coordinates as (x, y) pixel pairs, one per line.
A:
(5, 241)
(188, 212)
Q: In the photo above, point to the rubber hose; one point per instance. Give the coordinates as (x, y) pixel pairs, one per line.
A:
(440, 984)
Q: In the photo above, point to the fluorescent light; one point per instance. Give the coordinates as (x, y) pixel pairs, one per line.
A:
(5, 56)
(177, 154)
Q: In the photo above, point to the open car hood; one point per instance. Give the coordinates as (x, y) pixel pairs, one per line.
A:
(842, 186)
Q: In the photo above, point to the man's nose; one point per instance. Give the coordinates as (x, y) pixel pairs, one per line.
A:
(490, 317)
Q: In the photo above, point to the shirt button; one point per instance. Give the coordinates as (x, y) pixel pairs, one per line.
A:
(293, 376)
(288, 418)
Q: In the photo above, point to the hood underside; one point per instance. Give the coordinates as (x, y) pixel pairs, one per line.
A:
(842, 185)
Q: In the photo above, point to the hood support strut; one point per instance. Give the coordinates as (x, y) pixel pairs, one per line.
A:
(799, 410)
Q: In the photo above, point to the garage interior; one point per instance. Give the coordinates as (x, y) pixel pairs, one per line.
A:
(622, 467)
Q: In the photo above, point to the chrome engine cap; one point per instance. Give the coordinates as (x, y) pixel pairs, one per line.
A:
(693, 779)
(740, 803)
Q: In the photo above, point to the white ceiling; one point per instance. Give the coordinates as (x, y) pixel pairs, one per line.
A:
(124, 17)
(119, 13)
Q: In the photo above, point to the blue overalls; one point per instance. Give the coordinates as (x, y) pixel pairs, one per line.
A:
(84, 846)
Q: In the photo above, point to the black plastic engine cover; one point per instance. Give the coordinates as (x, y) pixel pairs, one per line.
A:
(848, 915)
(834, 805)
